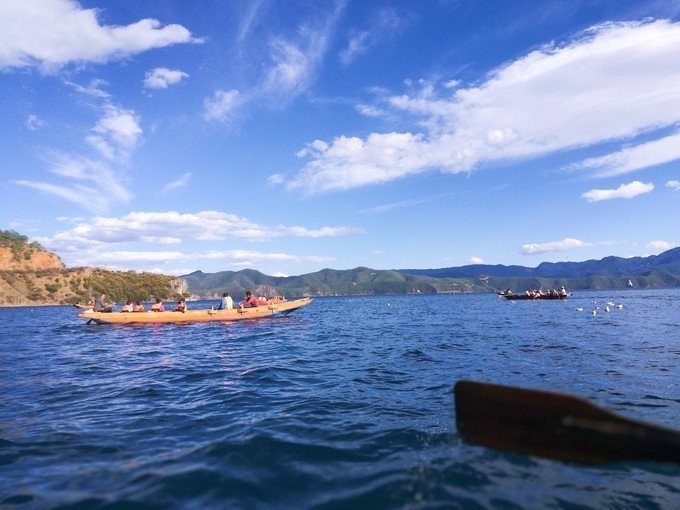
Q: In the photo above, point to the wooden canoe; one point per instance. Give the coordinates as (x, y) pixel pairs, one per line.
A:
(204, 315)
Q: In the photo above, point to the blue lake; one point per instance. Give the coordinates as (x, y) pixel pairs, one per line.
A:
(346, 403)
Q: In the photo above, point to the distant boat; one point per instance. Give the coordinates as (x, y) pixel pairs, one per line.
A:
(522, 297)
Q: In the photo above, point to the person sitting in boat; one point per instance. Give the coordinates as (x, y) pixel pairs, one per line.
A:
(158, 306)
(139, 307)
(563, 291)
(249, 301)
(227, 303)
(181, 305)
(100, 304)
(127, 307)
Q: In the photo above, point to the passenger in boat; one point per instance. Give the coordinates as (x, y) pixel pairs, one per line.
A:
(158, 306)
(139, 307)
(249, 301)
(181, 305)
(127, 307)
(563, 291)
(100, 304)
(227, 303)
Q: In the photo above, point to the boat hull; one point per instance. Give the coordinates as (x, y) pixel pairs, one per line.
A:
(209, 315)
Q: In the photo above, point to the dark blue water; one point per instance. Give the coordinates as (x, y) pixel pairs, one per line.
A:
(344, 404)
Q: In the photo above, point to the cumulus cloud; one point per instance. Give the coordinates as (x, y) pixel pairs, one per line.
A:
(556, 98)
(162, 78)
(52, 33)
(673, 185)
(116, 133)
(159, 227)
(553, 246)
(105, 241)
(630, 190)
(123, 259)
(476, 260)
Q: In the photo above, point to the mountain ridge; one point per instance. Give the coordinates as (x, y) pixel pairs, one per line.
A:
(668, 261)
(655, 271)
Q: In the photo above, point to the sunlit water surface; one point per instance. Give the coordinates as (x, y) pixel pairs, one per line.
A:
(346, 403)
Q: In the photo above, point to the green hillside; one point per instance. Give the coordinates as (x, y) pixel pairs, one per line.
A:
(366, 281)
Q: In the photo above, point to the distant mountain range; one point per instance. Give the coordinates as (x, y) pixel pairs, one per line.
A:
(668, 261)
(656, 271)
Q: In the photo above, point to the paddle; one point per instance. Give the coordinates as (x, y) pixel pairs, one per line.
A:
(557, 426)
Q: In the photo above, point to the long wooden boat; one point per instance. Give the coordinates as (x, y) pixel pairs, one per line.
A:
(209, 315)
(516, 297)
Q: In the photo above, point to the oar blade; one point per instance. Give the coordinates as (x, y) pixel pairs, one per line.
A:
(555, 425)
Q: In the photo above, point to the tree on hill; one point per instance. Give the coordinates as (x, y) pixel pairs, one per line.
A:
(19, 244)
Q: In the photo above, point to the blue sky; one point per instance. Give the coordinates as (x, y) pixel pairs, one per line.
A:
(289, 137)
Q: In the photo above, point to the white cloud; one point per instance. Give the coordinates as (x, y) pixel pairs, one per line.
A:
(673, 185)
(93, 89)
(630, 159)
(291, 64)
(630, 190)
(369, 110)
(168, 227)
(222, 105)
(275, 179)
(92, 182)
(162, 77)
(89, 183)
(358, 45)
(553, 246)
(556, 98)
(125, 259)
(86, 196)
(131, 241)
(116, 133)
(179, 183)
(384, 24)
(52, 33)
(476, 260)
(660, 246)
(33, 123)
(291, 68)
(353, 162)
(321, 232)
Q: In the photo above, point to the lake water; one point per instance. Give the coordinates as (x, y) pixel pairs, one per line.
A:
(346, 403)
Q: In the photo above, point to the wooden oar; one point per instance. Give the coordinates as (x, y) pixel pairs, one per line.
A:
(557, 426)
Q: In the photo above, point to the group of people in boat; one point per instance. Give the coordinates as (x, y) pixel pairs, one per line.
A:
(226, 303)
(537, 293)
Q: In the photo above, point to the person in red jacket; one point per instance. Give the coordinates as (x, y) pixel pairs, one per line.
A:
(250, 300)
